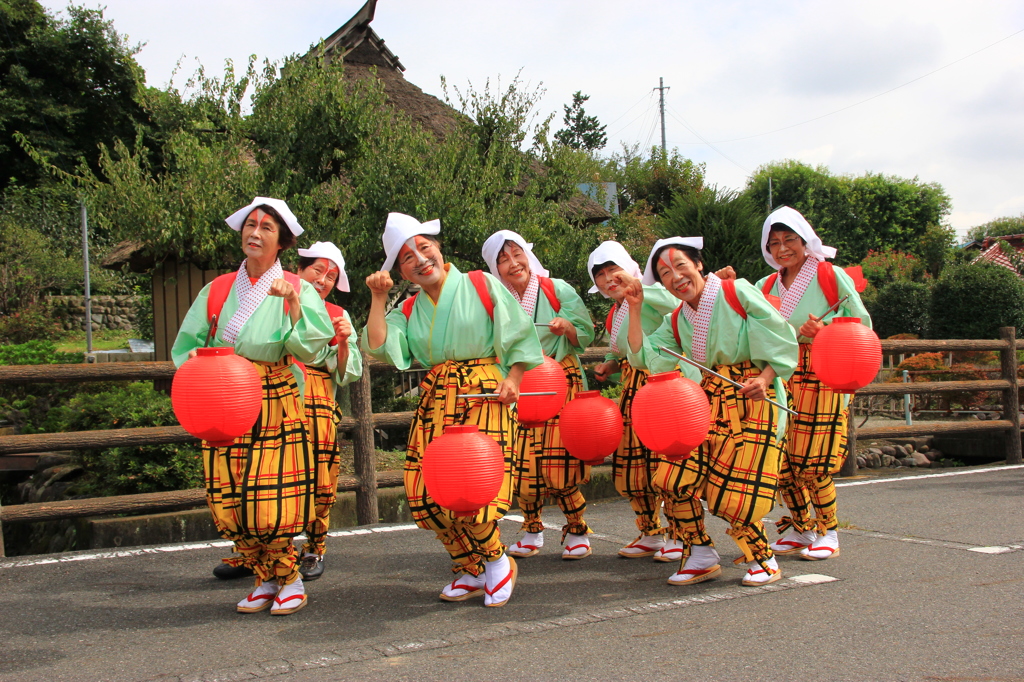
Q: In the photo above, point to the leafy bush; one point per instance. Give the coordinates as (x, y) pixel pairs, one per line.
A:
(128, 470)
(26, 406)
(35, 321)
(974, 301)
(900, 308)
(36, 353)
(882, 267)
(932, 367)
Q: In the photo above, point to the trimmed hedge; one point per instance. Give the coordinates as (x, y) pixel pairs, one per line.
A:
(974, 301)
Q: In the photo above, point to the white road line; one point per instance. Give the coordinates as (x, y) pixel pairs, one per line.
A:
(904, 479)
(121, 553)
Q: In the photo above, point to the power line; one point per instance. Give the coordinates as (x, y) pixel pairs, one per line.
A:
(646, 94)
(672, 112)
(644, 113)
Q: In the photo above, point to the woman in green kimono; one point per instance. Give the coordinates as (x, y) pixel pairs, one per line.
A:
(261, 487)
(565, 329)
(806, 286)
(728, 326)
(475, 338)
(633, 465)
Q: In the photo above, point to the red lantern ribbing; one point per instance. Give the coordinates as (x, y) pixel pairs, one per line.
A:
(463, 469)
(591, 426)
(534, 410)
(217, 395)
(846, 355)
(671, 415)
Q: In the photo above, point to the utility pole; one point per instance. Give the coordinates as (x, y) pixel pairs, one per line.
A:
(661, 87)
(89, 357)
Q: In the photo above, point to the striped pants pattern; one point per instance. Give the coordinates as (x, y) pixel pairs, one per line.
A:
(261, 487)
(816, 448)
(470, 540)
(633, 465)
(322, 415)
(547, 469)
(735, 470)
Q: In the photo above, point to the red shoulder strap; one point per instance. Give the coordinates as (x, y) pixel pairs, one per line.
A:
(480, 282)
(769, 283)
(827, 282)
(220, 287)
(333, 311)
(407, 305)
(675, 324)
(295, 281)
(548, 287)
(610, 320)
(729, 289)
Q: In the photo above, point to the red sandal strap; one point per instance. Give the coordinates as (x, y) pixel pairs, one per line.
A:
(832, 550)
(522, 546)
(288, 599)
(499, 585)
(257, 597)
(790, 543)
(569, 549)
(467, 588)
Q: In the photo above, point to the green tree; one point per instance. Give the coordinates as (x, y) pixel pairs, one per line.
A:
(657, 178)
(730, 225)
(581, 131)
(67, 85)
(854, 214)
(1000, 227)
(900, 307)
(974, 301)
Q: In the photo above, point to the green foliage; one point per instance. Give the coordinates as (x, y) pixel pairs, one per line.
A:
(657, 178)
(882, 267)
(730, 225)
(34, 321)
(936, 247)
(31, 265)
(581, 131)
(1000, 227)
(900, 307)
(69, 84)
(974, 301)
(855, 214)
(36, 353)
(129, 470)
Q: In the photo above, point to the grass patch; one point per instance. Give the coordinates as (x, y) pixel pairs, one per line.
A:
(387, 460)
(104, 339)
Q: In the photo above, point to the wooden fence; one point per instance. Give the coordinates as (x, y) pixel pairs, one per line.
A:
(362, 421)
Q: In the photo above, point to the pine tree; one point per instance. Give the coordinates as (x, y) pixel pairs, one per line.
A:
(581, 131)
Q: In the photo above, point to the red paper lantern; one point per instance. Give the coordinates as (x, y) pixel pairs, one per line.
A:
(591, 426)
(463, 469)
(537, 409)
(671, 415)
(217, 395)
(846, 355)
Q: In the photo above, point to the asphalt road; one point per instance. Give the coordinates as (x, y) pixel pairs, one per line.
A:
(910, 598)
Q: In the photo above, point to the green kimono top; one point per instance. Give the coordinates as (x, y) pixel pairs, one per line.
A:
(459, 328)
(267, 336)
(328, 359)
(763, 338)
(658, 302)
(813, 301)
(573, 310)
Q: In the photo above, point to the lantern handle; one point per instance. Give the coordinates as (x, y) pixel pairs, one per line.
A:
(723, 378)
(834, 306)
(495, 395)
(211, 332)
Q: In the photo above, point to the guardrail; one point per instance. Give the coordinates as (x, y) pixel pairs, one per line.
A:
(361, 422)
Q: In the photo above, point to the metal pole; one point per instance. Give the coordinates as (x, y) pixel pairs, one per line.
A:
(1011, 398)
(88, 297)
(906, 401)
(661, 89)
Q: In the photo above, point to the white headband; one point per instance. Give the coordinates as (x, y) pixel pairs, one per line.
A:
(496, 242)
(791, 218)
(611, 252)
(332, 253)
(650, 276)
(237, 219)
(399, 229)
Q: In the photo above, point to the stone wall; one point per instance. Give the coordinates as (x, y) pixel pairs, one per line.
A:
(108, 312)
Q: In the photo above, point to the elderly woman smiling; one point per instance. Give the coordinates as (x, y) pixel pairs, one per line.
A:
(261, 487)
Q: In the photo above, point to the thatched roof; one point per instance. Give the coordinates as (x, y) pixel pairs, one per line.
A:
(132, 253)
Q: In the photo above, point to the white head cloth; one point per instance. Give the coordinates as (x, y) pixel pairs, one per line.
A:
(651, 271)
(237, 219)
(611, 252)
(791, 218)
(399, 229)
(496, 242)
(332, 253)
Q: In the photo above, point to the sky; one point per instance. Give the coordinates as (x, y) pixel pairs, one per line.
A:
(932, 89)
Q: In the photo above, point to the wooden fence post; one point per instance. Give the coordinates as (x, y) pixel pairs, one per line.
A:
(2, 555)
(364, 453)
(849, 467)
(1011, 399)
